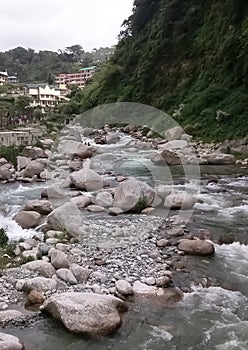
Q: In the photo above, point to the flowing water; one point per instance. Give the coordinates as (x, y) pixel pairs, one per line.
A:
(207, 318)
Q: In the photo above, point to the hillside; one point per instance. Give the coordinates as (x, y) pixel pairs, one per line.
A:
(188, 58)
(42, 66)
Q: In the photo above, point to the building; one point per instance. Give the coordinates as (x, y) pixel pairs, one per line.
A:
(20, 137)
(78, 79)
(43, 95)
(13, 79)
(3, 78)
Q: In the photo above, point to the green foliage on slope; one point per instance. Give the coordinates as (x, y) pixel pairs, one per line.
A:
(192, 54)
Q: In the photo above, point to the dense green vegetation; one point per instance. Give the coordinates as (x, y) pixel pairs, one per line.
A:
(188, 58)
(42, 66)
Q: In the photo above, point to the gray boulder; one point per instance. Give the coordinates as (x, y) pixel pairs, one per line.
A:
(5, 173)
(66, 218)
(87, 313)
(28, 219)
(196, 247)
(41, 284)
(179, 201)
(81, 273)
(10, 342)
(220, 159)
(33, 168)
(66, 275)
(43, 207)
(104, 199)
(174, 133)
(87, 179)
(44, 268)
(132, 194)
(58, 259)
(34, 152)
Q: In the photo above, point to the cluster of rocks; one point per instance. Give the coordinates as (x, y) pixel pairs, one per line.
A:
(126, 259)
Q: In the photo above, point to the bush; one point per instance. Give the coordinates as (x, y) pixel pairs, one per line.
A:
(3, 238)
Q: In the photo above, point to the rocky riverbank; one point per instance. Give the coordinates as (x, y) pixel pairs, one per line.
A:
(104, 262)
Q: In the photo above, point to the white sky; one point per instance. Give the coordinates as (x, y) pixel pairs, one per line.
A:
(56, 24)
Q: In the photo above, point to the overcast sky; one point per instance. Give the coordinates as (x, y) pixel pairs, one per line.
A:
(55, 24)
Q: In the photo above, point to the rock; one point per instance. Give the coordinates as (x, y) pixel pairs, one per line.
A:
(196, 247)
(162, 243)
(75, 165)
(141, 289)
(162, 191)
(171, 157)
(10, 342)
(28, 219)
(22, 162)
(43, 207)
(30, 253)
(34, 152)
(87, 179)
(154, 294)
(174, 133)
(35, 297)
(75, 149)
(82, 274)
(9, 315)
(5, 173)
(95, 208)
(66, 217)
(40, 284)
(33, 168)
(124, 287)
(87, 313)
(66, 275)
(103, 199)
(114, 211)
(162, 281)
(77, 252)
(220, 159)
(81, 201)
(132, 195)
(179, 201)
(44, 268)
(150, 281)
(59, 259)
(147, 211)
(172, 145)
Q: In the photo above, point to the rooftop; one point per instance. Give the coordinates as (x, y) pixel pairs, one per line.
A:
(88, 68)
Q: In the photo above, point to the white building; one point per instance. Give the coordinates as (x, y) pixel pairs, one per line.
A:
(43, 95)
(3, 78)
(18, 137)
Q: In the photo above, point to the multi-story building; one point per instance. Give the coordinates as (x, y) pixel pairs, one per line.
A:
(79, 79)
(43, 95)
(3, 78)
(12, 79)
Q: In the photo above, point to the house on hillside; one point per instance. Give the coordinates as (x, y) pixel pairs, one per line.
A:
(78, 79)
(13, 79)
(3, 78)
(43, 95)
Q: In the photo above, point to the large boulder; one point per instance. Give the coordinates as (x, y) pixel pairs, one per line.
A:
(171, 157)
(59, 259)
(86, 179)
(33, 168)
(5, 172)
(81, 201)
(34, 152)
(66, 218)
(220, 159)
(43, 207)
(22, 162)
(28, 219)
(196, 247)
(178, 201)
(41, 284)
(174, 133)
(132, 195)
(44, 268)
(10, 342)
(75, 149)
(103, 199)
(87, 313)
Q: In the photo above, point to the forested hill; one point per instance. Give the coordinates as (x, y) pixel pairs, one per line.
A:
(42, 66)
(189, 57)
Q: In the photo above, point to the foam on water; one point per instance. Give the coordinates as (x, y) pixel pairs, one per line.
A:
(14, 231)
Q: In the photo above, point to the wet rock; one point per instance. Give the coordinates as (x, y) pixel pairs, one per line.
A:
(5, 173)
(196, 247)
(179, 201)
(35, 297)
(124, 287)
(87, 313)
(9, 315)
(10, 342)
(28, 219)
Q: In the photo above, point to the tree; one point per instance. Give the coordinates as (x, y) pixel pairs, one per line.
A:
(21, 104)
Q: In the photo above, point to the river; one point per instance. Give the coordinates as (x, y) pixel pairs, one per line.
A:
(208, 317)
